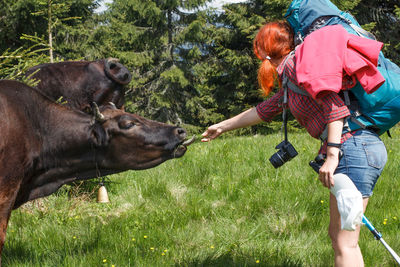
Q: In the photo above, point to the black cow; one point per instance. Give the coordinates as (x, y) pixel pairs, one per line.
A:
(44, 144)
(80, 83)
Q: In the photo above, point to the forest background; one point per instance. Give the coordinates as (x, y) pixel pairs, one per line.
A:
(190, 64)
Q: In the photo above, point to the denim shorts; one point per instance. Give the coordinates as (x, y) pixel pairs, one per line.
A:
(364, 156)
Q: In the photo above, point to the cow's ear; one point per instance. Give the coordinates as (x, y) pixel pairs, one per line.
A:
(99, 135)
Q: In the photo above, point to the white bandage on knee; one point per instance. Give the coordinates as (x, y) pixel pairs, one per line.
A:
(349, 202)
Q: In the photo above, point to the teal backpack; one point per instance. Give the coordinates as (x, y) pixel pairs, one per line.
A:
(379, 110)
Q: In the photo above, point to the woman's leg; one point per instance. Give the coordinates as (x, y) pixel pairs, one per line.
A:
(344, 243)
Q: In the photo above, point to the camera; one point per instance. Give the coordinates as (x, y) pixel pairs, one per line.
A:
(317, 163)
(319, 160)
(285, 153)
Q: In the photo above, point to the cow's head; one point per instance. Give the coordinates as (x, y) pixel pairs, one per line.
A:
(128, 141)
(116, 71)
(107, 80)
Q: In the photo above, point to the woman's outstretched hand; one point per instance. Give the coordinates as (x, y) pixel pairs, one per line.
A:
(211, 133)
(244, 119)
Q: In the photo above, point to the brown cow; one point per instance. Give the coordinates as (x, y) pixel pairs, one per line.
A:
(44, 144)
(80, 83)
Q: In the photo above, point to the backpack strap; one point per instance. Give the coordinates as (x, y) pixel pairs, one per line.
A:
(289, 85)
(292, 86)
(286, 83)
(353, 106)
(360, 31)
(285, 86)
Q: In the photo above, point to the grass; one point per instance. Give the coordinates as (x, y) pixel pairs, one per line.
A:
(222, 204)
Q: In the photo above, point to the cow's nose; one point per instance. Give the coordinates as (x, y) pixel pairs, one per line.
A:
(180, 132)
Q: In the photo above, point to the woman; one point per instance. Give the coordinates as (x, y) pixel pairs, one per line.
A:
(273, 45)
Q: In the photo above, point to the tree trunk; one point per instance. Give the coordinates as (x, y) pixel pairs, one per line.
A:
(49, 30)
(170, 30)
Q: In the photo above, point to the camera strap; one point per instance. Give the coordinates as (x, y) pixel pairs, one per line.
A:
(285, 106)
(285, 85)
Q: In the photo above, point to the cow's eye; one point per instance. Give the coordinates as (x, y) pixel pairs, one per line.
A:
(126, 124)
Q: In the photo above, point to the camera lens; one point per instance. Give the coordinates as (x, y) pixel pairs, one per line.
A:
(285, 153)
(277, 160)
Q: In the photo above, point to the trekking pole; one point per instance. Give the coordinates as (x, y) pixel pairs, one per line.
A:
(379, 237)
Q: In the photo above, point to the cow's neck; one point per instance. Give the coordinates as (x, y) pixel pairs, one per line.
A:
(66, 140)
(65, 153)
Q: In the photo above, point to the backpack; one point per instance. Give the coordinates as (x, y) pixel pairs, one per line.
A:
(379, 110)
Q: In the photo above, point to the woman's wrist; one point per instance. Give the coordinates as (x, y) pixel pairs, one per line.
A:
(333, 144)
(223, 127)
(332, 152)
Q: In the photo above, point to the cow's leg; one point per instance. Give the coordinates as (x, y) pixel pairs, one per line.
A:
(5, 216)
(8, 195)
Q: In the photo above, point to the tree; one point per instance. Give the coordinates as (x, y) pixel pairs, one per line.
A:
(232, 75)
(16, 18)
(13, 63)
(153, 38)
(47, 19)
(63, 16)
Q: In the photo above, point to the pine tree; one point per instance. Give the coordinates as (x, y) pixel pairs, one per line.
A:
(62, 16)
(158, 41)
(234, 72)
(52, 20)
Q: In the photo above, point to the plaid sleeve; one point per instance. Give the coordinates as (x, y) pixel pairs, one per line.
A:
(333, 107)
(268, 109)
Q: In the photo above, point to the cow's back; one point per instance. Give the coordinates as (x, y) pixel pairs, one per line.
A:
(79, 83)
(63, 81)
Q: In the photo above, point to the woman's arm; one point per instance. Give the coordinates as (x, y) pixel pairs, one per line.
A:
(244, 119)
(332, 153)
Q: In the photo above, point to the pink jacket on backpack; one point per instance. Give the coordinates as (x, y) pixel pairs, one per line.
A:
(329, 54)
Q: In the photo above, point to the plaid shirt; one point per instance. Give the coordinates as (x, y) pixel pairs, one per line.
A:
(310, 113)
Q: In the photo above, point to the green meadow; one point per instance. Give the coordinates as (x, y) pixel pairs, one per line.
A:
(222, 204)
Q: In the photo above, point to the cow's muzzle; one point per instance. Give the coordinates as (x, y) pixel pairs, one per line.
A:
(182, 147)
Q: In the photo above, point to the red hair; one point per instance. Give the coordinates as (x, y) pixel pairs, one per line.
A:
(273, 41)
